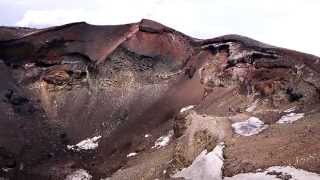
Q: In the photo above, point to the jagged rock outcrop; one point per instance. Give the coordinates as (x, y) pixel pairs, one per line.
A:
(63, 84)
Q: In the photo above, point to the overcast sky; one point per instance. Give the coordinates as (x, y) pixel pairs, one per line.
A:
(288, 23)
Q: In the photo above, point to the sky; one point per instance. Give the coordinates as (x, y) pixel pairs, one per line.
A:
(291, 24)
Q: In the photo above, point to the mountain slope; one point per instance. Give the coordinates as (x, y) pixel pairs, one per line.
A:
(125, 86)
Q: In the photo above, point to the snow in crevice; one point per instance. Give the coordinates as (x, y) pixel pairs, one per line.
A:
(253, 106)
(290, 110)
(132, 154)
(290, 118)
(87, 144)
(277, 173)
(187, 108)
(6, 169)
(206, 166)
(249, 127)
(163, 140)
(108, 178)
(79, 174)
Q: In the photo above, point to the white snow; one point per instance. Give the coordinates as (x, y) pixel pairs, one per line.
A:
(252, 176)
(290, 118)
(87, 144)
(147, 135)
(21, 166)
(269, 174)
(132, 154)
(249, 127)
(290, 110)
(253, 106)
(186, 108)
(79, 174)
(163, 140)
(207, 166)
(29, 65)
(6, 169)
(108, 178)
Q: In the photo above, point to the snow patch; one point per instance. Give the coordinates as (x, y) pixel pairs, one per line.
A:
(252, 176)
(163, 140)
(132, 154)
(249, 127)
(253, 106)
(79, 174)
(29, 65)
(290, 118)
(277, 173)
(147, 135)
(87, 144)
(108, 178)
(206, 166)
(186, 108)
(290, 110)
(6, 169)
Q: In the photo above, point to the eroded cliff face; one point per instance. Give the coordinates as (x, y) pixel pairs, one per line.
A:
(64, 84)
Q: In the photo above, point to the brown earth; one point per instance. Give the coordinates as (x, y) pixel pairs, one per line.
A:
(64, 84)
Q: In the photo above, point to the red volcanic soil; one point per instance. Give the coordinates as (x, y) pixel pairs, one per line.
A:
(65, 84)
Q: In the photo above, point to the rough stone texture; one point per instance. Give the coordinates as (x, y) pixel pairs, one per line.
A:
(196, 133)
